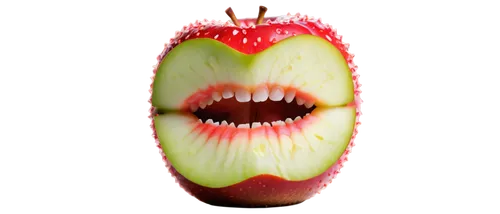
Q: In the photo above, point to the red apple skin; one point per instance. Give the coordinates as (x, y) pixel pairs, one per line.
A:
(261, 190)
(248, 38)
(269, 34)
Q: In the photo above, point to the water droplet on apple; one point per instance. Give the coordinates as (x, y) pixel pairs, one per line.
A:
(278, 30)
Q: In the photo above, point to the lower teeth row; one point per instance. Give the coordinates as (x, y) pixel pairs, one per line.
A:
(254, 124)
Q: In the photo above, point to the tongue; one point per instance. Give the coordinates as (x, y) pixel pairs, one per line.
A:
(268, 117)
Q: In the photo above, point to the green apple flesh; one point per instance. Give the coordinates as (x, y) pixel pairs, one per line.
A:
(305, 62)
(214, 162)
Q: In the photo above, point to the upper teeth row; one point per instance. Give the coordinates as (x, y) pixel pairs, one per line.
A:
(254, 124)
(259, 95)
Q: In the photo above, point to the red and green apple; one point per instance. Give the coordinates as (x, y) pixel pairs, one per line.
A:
(255, 112)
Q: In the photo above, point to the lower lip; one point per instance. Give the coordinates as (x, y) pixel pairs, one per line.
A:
(261, 190)
(227, 132)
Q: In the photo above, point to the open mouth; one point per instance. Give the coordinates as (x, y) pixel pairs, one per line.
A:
(224, 116)
(268, 106)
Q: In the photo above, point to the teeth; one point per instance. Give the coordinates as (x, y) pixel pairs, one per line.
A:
(210, 121)
(260, 95)
(256, 125)
(227, 93)
(278, 123)
(309, 104)
(209, 101)
(288, 121)
(224, 123)
(232, 125)
(300, 101)
(200, 120)
(242, 95)
(266, 124)
(276, 94)
(289, 96)
(193, 107)
(245, 125)
(297, 118)
(216, 96)
(203, 104)
(206, 102)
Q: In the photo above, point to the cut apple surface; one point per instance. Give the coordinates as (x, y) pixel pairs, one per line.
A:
(306, 63)
(281, 112)
(219, 155)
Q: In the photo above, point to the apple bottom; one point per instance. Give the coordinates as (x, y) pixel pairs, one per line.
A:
(261, 190)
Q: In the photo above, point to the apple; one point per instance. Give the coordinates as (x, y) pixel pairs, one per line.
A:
(255, 112)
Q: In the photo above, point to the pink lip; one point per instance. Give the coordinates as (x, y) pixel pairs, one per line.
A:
(201, 94)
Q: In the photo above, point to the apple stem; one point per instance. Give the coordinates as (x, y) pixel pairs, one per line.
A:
(231, 15)
(262, 12)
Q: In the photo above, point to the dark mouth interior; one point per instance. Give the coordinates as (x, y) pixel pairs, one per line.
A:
(236, 112)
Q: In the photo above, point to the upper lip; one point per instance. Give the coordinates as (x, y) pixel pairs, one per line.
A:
(204, 98)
